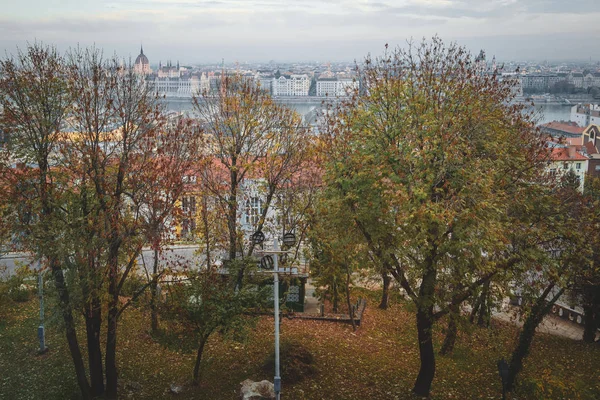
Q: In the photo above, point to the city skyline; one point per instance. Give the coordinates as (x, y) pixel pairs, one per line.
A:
(262, 30)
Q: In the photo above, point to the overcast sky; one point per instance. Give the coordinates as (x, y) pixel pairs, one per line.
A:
(297, 30)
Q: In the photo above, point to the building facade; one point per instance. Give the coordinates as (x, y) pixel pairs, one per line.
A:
(142, 65)
(586, 114)
(336, 87)
(292, 85)
(567, 158)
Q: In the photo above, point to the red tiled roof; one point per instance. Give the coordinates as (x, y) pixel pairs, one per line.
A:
(589, 147)
(562, 154)
(574, 141)
(564, 127)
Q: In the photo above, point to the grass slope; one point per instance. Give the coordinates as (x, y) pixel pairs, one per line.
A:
(379, 361)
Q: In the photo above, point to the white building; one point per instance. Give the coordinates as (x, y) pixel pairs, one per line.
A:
(586, 114)
(293, 85)
(336, 87)
(566, 158)
(169, 70)
(181, 87)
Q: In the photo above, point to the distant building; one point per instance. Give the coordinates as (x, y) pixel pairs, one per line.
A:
(292, 85)
(336, 87)
(567, 158)
(539, 82)
(196, 84)
(265, 81)
(586, 114)
(169, 71)
(591, 143)
(142, 65)
(565, 129)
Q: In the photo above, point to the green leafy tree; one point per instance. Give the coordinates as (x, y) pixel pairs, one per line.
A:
(427, 159)
(207, 303)
(557, 249)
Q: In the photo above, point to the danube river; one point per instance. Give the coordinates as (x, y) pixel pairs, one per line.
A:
(545, 112)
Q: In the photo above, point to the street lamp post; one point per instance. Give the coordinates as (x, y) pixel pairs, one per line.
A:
(289, 239)
(277, 380)
(41, 330)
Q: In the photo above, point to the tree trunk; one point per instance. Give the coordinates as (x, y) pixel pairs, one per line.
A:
(475, 309)
(590, 319)
(206, 231)
(386, 290)
(154, 294)
(484, 306)
(71, 334)
(111, 328)
(334, 297)
(111, 347)
(350, 313)
(93, 322)
(424, 329)
(427, 371)
(198, 360)
(539, 310)
(450, 339)
(232, 215)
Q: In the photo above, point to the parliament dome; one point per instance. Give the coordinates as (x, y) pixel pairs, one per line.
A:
(142, 59)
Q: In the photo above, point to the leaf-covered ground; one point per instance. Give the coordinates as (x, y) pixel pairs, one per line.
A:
(379, 361)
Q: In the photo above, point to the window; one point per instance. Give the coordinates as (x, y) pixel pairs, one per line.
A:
(578, 165)
(188, 205)
(552, 171)
(253, 210)
(566, 166)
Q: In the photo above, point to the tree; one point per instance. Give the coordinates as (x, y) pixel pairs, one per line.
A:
(206, 303)
(558, 252)
(34, 101)
(98, 174)
(337, 252)
(130, 163)
(428, 158)
(252, 140)
(586, 286)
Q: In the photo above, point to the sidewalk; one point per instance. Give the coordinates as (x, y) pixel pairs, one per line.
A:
(311, 303)
(551, 324)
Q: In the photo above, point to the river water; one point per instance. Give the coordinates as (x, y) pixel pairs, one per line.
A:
(545, 112)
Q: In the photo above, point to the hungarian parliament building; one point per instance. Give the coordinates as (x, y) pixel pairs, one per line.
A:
(171, 80)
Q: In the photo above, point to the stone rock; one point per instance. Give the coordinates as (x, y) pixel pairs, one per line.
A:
(257, 390)
(176, 389)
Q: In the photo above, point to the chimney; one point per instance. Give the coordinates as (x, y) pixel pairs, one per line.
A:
(572, 151)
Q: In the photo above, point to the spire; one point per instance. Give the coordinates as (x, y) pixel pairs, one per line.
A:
(141, 49)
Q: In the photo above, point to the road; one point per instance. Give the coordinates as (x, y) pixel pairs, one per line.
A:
(174, 257)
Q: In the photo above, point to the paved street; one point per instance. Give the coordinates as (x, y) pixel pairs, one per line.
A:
(551, 324)
(174, 257)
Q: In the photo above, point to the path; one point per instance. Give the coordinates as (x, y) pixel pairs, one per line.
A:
(311, 303)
